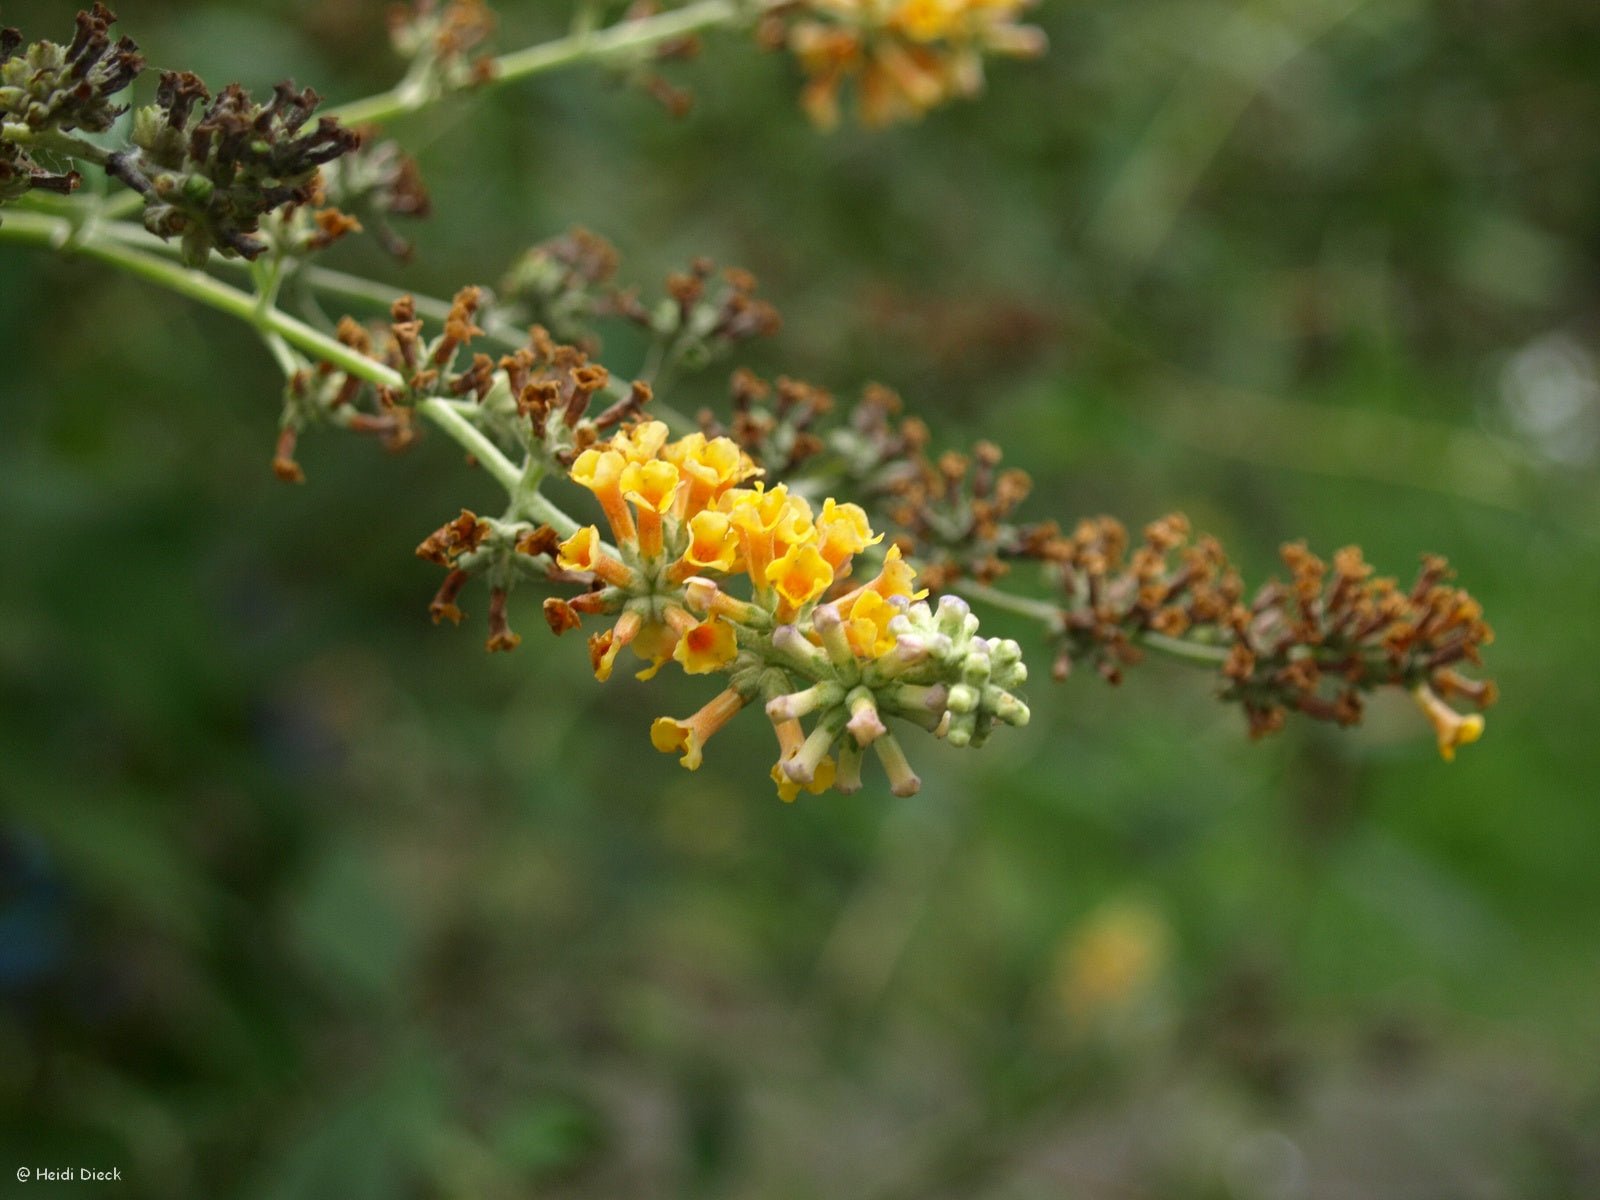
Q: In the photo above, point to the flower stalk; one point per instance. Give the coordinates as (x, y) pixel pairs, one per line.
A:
(727, 554)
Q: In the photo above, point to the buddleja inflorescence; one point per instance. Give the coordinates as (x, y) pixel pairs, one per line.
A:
(788, 545)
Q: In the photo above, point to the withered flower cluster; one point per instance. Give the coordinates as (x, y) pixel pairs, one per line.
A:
(502, 552)
(703, 315)
(952, 513)
(328, 395)
(50, 88)
(439, 41)
(211, 168)
(1315, 644)
(543, 400)
(774, 423)
(374, 183)
(955, 511)
(560, 283)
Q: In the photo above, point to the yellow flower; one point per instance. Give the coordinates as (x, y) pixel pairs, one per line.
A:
(789, 790)
(579, 551)
(651, 486)
(706, 647)
(843, 532)
(671, 736)
(601, 472)
(1111, 959)
(710, 466)
(906, 55)
(927, 20)
(896, 578)
(800, 576)
(936, 20)
(1452, 728)
(582, 552)
(712, 544)
(642, 443)
(757, 514)
(655, 645)
(866, 624)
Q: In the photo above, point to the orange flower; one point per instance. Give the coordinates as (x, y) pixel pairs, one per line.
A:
(843, 532)
(672, 736)
(710, 466)
(707, 646)
(651, 486)
(623, 632)
(582, 552)
(712, 544)
(758, 515)
(601, 472)
(896, 577)
(642, 443)
(800, 576)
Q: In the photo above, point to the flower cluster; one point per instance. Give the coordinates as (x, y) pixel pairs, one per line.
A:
(711, 563)
(956, 511)
(704, 314)
(374, 183)
(210, 169)
(1313, 645)
(327, 394)
(558, 282)
(774, 423)
(905, 56)
(49, 88)
(953, 513)
(504, 552)
(438, 42)
(688, 518)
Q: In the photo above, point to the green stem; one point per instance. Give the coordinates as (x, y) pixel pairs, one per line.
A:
(1186, 651)
(60, 233)
(456, 426)
(360, 290)
(69, 145)
(1050, 615)
(580, 46)
(540, 507)
(1023, 606)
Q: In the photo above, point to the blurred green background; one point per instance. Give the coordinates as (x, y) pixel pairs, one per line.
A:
(303, 897)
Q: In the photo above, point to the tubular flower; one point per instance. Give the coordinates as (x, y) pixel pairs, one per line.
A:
(670, 735)
(905, 56)
(708, 646)
(801, 575)
(1453, 729)
(845, 661)
(844, 533)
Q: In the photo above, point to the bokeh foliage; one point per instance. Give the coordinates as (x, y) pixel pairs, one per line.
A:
(302, 897)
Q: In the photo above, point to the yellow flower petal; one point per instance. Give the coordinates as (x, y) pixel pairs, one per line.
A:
(709, 646)
(801, 575)
(712, 543)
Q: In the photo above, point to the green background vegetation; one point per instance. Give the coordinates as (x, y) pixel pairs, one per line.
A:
(302, 897)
